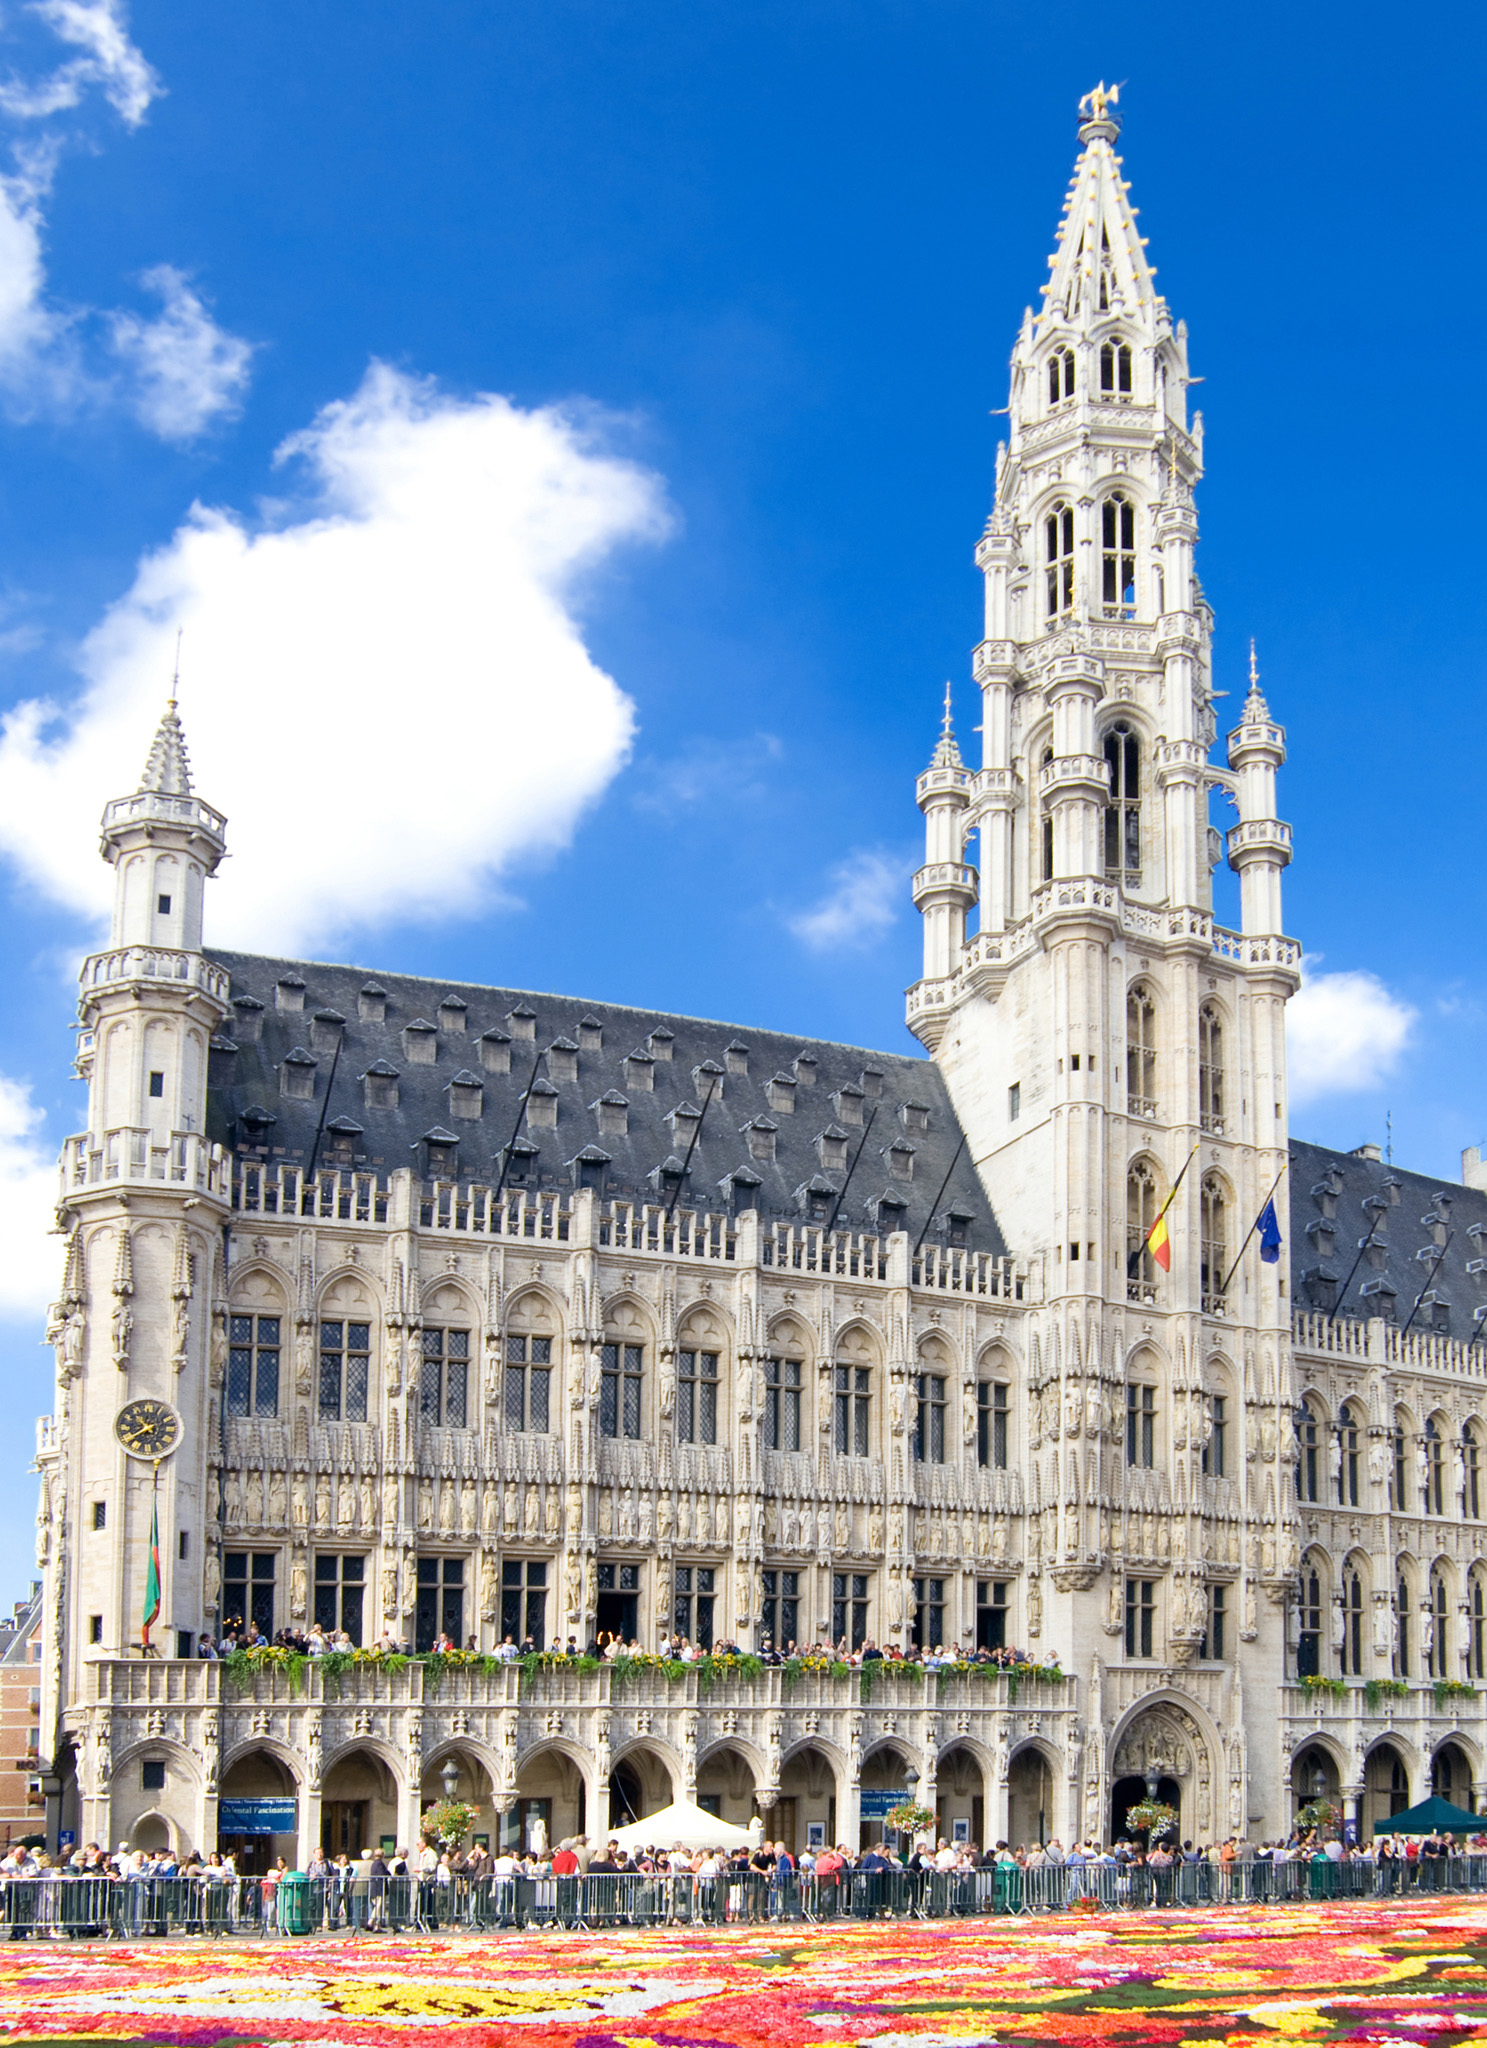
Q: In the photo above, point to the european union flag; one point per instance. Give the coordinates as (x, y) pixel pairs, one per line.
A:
(1269, 1234)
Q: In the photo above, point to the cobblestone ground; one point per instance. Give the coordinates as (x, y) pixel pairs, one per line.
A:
(1385, 1974)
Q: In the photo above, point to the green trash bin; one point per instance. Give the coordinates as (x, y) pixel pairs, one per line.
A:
(294, 1903)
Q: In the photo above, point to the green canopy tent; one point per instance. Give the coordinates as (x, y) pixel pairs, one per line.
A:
(1433, 1816)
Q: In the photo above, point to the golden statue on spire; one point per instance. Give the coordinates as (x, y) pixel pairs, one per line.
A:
(1094, 104)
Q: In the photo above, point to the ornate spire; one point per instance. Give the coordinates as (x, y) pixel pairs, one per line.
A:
(167, 771)
(1100, 265)
(946, 753)
(1256, 710)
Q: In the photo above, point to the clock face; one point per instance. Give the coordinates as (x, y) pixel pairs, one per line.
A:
(148, 1429)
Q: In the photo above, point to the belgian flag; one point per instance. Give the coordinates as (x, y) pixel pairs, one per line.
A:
(152, 1575)
(1158, 1238)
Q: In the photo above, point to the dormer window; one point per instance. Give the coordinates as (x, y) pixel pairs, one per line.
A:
(684, 1120)
(736, 1058)
(1115, 370)
(466, 1096)
(590, 1035)
(521, 1163)
(249, 1025)
(805, 1069)
(522, 1023)
(914, 1116)
(1118, 557)
(339, 1148)
(888, 1213)
(707, 1079)
(847, 1103)
(1058, 556)
(562, 1060)
(494, 1048)
(781, 1094)
(255, 1124)
(760, 1137)
(1123, 810)
(326, 1027)
(743, 1190)
(371, 1003)
(542, 1106)
(872, 1083)
(958, 1228)
(441, 1151)
(900, 1157)
(297, 1076)
(831, 1148)
(640, 1073)
(452, 1013)
(380, 1085)
(817, 1200)
(289, 993)
(661, 1042)
(588, 1168)
(1060, 376)
(613, 1112)
(420, 1042)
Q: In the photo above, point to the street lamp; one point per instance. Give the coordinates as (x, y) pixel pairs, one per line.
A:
(1318, 1782)
(449, 1778)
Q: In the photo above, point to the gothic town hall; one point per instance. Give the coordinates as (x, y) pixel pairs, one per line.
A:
(425, 1308)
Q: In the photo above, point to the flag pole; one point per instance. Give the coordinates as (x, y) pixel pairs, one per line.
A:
(1252, 1229)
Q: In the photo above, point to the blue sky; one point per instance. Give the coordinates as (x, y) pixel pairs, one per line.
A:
(617, 681)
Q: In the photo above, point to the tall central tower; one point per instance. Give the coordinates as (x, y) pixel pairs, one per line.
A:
(1103, 1039)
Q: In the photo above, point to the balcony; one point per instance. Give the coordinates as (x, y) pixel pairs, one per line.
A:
(135, 1155)
(158, 964)
(132, 1682)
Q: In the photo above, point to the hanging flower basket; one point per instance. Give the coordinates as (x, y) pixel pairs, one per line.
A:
(1319, 1813)
(1153, 1817)
(908, 1818)
(449, 1821)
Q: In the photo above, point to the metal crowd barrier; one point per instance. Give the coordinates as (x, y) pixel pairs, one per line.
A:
(75, 1907)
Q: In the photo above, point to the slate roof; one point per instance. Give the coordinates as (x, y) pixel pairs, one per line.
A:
(1425, 1236)
(244, 1078)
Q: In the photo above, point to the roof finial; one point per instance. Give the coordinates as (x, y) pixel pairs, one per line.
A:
(1095, 117)
(1254, 673)
(947, 753)
(175, 681)
(1256, 710)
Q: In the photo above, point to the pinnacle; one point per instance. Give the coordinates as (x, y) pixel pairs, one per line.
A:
(1099, 266)
(168, 771)
(1256, 710)
(946, 753)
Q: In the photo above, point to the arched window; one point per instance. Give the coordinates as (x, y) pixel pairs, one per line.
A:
(1211, 1069)
(1477, 1657)
(1399, 1492)
(1214, 1244)
(1141, 1213)
(1060, 376)
(1437, 1664)
(1058, 530)
(1435, 1473)
(1352, 1625)
(1046, 832)
(1118, 557)
(1402, 1630)
(1141, 1052)
(853, 1390)
(1471, 1474)
(1123, 807)
(1115, 370)
(927, 1440)
(1309, 1632)
(1141, 1425)
(1308, 1436)
(1347, 1458)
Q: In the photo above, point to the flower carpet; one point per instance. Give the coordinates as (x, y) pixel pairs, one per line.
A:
(1389, 1975)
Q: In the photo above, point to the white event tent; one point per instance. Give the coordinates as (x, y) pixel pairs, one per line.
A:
(680, 1826)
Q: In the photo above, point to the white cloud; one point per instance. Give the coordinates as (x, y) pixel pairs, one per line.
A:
(1344, 1033)
(28, 1195)
(387, 690)
(187, 371)
(110, 62)
(709, 771)
(865, 896)
(176, 373)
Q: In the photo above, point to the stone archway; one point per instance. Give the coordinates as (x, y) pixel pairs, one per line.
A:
(1315, 1776)
(1386, 1789)
(960, 1795)
(725, 1786)
(640, 1782)
(1451, 1776)
(807, 1800)
(1164, 1746)
(248, 1784)
(1030, 1797)
(359, 1804)
(550, 1788)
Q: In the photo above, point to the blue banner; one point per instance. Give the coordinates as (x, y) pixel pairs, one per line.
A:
(257, 1816)
(880, 1802)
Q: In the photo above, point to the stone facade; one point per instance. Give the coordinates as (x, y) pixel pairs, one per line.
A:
(493, 1312)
